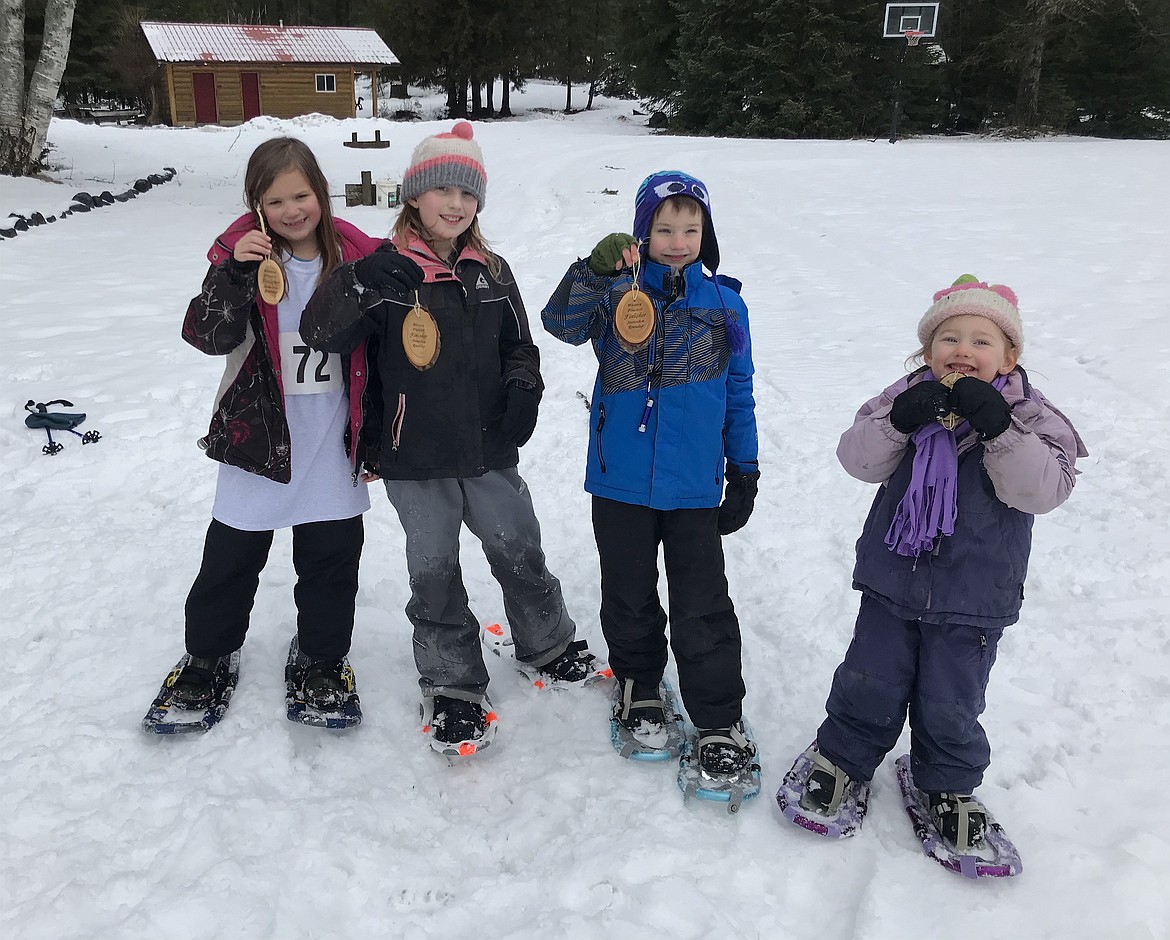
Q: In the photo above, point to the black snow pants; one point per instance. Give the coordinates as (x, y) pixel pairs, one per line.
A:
(325, 556)
(704, 631)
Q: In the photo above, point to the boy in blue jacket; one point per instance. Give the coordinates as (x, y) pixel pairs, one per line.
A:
(672, 415)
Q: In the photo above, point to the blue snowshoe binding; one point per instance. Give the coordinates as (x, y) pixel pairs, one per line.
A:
(721, 765)
(647, 724)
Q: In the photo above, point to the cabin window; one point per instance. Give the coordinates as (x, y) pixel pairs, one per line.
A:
(326, 83)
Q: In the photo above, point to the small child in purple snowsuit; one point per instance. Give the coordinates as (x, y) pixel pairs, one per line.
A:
(941, 562)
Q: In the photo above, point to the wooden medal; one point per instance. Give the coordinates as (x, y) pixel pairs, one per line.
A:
(420, 337)
(270, 279)
(950, 421)
(634, 318)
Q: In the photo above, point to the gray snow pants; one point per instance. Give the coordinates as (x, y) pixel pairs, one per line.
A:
(497, 509)
(936, 671)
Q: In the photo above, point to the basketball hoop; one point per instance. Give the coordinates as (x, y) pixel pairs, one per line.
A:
(912, 36)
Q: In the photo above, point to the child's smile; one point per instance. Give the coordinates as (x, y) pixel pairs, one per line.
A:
(293, 212)
(971, 345)
(676, 236)
(446, 213)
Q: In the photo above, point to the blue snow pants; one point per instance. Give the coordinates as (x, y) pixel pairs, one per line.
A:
(938, 672)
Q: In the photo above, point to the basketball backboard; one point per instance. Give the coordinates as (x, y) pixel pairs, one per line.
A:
(903, 17)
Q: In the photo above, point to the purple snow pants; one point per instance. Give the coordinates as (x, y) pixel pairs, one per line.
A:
(936, 671)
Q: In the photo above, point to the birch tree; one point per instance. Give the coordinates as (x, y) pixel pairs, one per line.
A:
(26, 108)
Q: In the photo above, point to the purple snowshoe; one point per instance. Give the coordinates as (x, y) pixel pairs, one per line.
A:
(818, 796)
(992, 856)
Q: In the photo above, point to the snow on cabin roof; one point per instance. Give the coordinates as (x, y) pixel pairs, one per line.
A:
(231, 42)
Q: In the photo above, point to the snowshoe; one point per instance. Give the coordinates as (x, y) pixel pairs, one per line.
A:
(321, 693)
(819, 796)
(457, 727)
(991, 856)
(647, 723)
(722, 765)
(574, 668)
(206, 689)
(40, 417)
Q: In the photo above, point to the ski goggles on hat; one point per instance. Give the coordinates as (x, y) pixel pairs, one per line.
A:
(677, 187)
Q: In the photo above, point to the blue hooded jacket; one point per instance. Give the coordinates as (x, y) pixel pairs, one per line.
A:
(664, 418)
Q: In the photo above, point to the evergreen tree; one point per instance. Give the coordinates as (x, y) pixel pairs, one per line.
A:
(977, 82)
(712, 85)
(1118, 73)
(647, 36)
(577, 37)
(90, 74)
(771, 68)
(1084, 66)
(767, 68)
(522, 27)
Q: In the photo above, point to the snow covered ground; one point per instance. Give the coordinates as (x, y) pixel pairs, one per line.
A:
(263, 829)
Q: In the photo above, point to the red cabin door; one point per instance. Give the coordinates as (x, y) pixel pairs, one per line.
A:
(250, 90)
(205, 110)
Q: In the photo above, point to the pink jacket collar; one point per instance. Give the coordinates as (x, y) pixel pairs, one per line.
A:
(433, 268)
(354, 242)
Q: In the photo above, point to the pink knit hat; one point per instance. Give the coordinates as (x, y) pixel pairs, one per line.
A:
(451, 159)
(969, 295)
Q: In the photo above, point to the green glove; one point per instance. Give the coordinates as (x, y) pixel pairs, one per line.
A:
(608, 252)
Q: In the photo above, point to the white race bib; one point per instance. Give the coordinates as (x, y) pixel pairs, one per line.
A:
(308, 371)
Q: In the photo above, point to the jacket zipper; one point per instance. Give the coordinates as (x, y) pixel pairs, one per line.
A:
(396, 424)
(353, 434)
(600, 425)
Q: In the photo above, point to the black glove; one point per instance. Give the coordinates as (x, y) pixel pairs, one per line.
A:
(918, 405)
(982, 405)
(739, 499)
(519, 414)
(388, 272)
(608, 252)
(242, 270)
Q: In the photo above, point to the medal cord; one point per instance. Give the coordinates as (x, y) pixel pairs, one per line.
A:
(650, 354)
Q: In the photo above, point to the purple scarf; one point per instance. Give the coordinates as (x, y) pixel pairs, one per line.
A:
(928, 507)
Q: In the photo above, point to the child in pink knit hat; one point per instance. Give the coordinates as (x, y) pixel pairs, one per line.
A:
(966, 451)
(452, 159)
(454, 417)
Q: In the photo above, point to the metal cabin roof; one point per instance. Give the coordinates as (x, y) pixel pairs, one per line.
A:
(231, 42)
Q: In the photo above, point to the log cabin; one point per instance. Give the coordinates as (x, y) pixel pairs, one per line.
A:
(228, 73)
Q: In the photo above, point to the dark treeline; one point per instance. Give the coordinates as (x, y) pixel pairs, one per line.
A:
(753, 68)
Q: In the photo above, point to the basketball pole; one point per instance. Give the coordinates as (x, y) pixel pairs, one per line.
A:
(898, 92)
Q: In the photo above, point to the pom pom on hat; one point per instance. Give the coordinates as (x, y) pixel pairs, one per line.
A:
(450, 159)
(969, 295)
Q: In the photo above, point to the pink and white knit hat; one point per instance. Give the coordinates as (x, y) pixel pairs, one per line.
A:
(969, 295)
(451, 159)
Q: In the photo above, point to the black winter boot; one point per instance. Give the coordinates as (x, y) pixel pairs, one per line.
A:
(959, 818)
(639, 708)
(197, 684)
(725, 752)
(327, 684)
